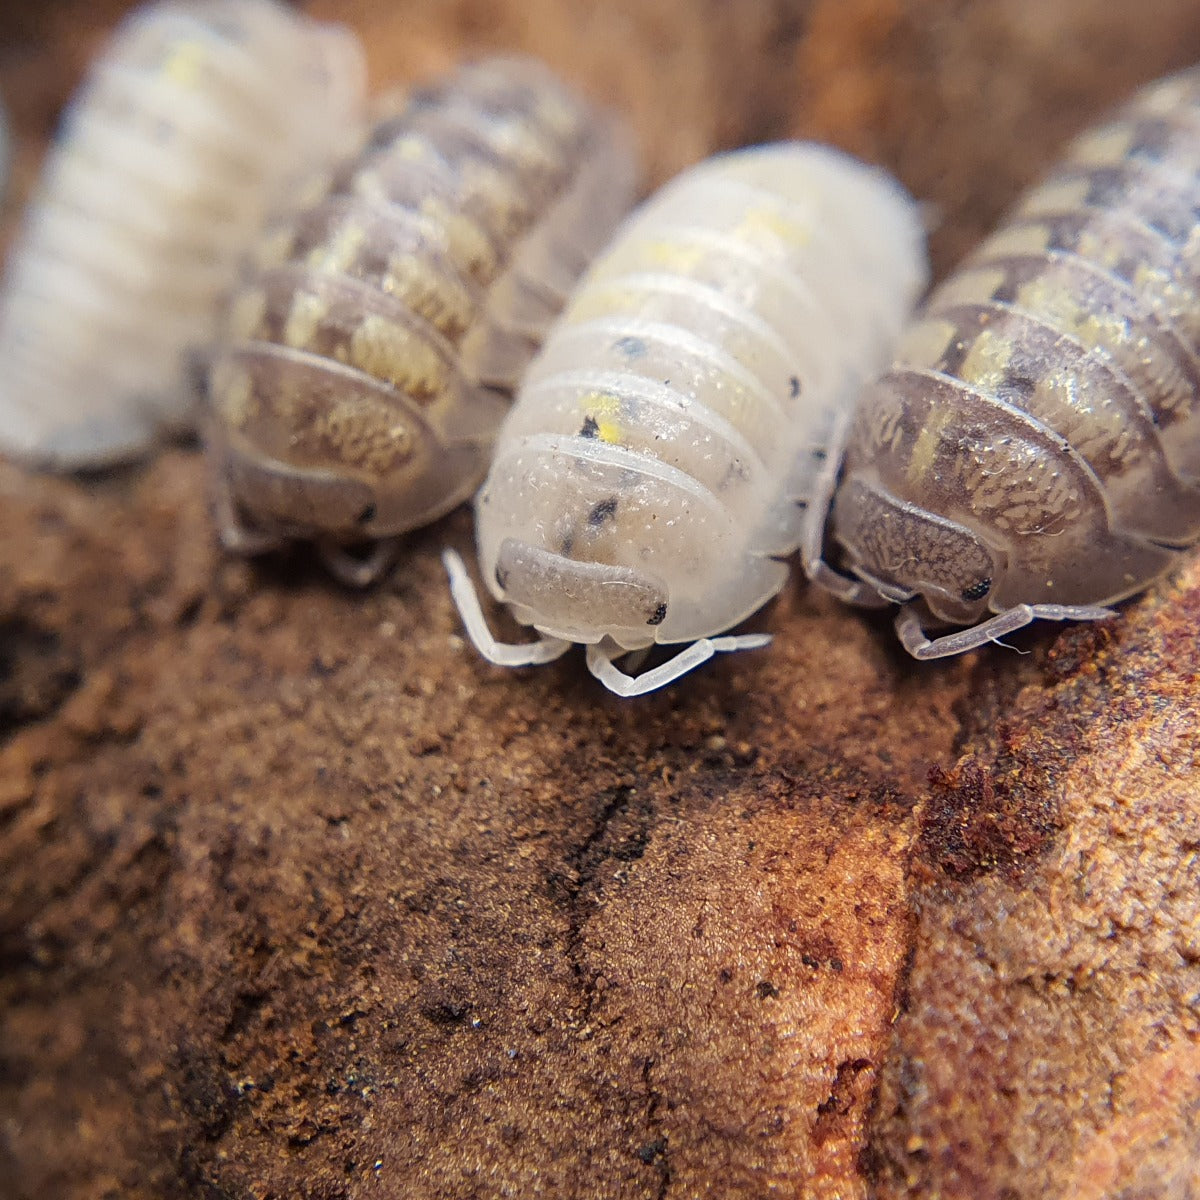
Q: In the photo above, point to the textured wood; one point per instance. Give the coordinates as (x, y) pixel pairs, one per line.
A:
(302, 899)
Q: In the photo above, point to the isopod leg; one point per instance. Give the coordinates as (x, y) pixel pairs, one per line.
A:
(358, 572)
(849, 591)
(812, 534)
(600, 663)
(236, 536)
(500, 654)
(914, 640)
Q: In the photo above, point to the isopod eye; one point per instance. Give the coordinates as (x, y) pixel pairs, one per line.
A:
(977, 591)
(367, 514)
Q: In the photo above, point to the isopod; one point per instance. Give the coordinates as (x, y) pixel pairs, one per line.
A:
(372, 351)
(650, 480)
(1035, 449)
(5, 152)
(191, 124)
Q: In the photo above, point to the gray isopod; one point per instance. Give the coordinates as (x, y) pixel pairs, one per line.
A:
(372, 350)
(1035, 450)
(649, 483)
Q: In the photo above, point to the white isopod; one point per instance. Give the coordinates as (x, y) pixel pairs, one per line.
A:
(5, 151)
(199, 115)
(656, 468)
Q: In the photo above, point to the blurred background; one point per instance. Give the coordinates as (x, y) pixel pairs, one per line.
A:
(966, 100)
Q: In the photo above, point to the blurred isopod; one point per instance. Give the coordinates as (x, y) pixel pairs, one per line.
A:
(191, 125)
(5, 151)
(371, 353)
(1035, 450)
(652, 477)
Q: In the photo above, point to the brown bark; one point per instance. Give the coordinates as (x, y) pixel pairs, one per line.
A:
(302, 899)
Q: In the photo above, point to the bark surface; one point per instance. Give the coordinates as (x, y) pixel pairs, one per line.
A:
(300, 898)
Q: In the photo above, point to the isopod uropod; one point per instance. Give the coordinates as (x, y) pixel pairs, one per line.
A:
(372, 351)
(190, 125)
(645, 485)
(1035, 449)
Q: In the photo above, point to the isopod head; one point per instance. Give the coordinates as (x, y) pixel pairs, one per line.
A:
(576, 600)
(903, 550)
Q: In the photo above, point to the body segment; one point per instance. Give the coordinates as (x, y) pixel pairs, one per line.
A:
(651, 477)
(1035, 449)
(370, 353)
(192, 124)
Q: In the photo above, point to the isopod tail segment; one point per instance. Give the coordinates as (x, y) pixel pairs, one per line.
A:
(601, 656)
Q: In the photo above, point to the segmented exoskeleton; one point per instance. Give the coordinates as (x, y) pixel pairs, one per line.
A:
(1035, 450)
(372, 351)
(645, 486)
(192, 124)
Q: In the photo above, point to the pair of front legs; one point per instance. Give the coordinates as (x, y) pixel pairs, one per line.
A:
(912, 634)
(600, 657)
(350, 569)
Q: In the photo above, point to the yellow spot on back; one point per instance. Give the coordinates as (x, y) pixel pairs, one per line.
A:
(410, 148)
(677, 257)
(304, 319)
(604, 408)
(232, 392)
(340, 250)
(522, 144)
(1051, 298)
(364, 433)
(368, 183)
(925, 343)
(467, 245)
(1026, 238)
(396, 355)
(1058, 196)
(770, 228)
(246, 313)
(496, 197)
(428, 292)
(987, 361)
(1103, 147)
(975, 286)
(1097, 431)
(185, 63)
(925, 448)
